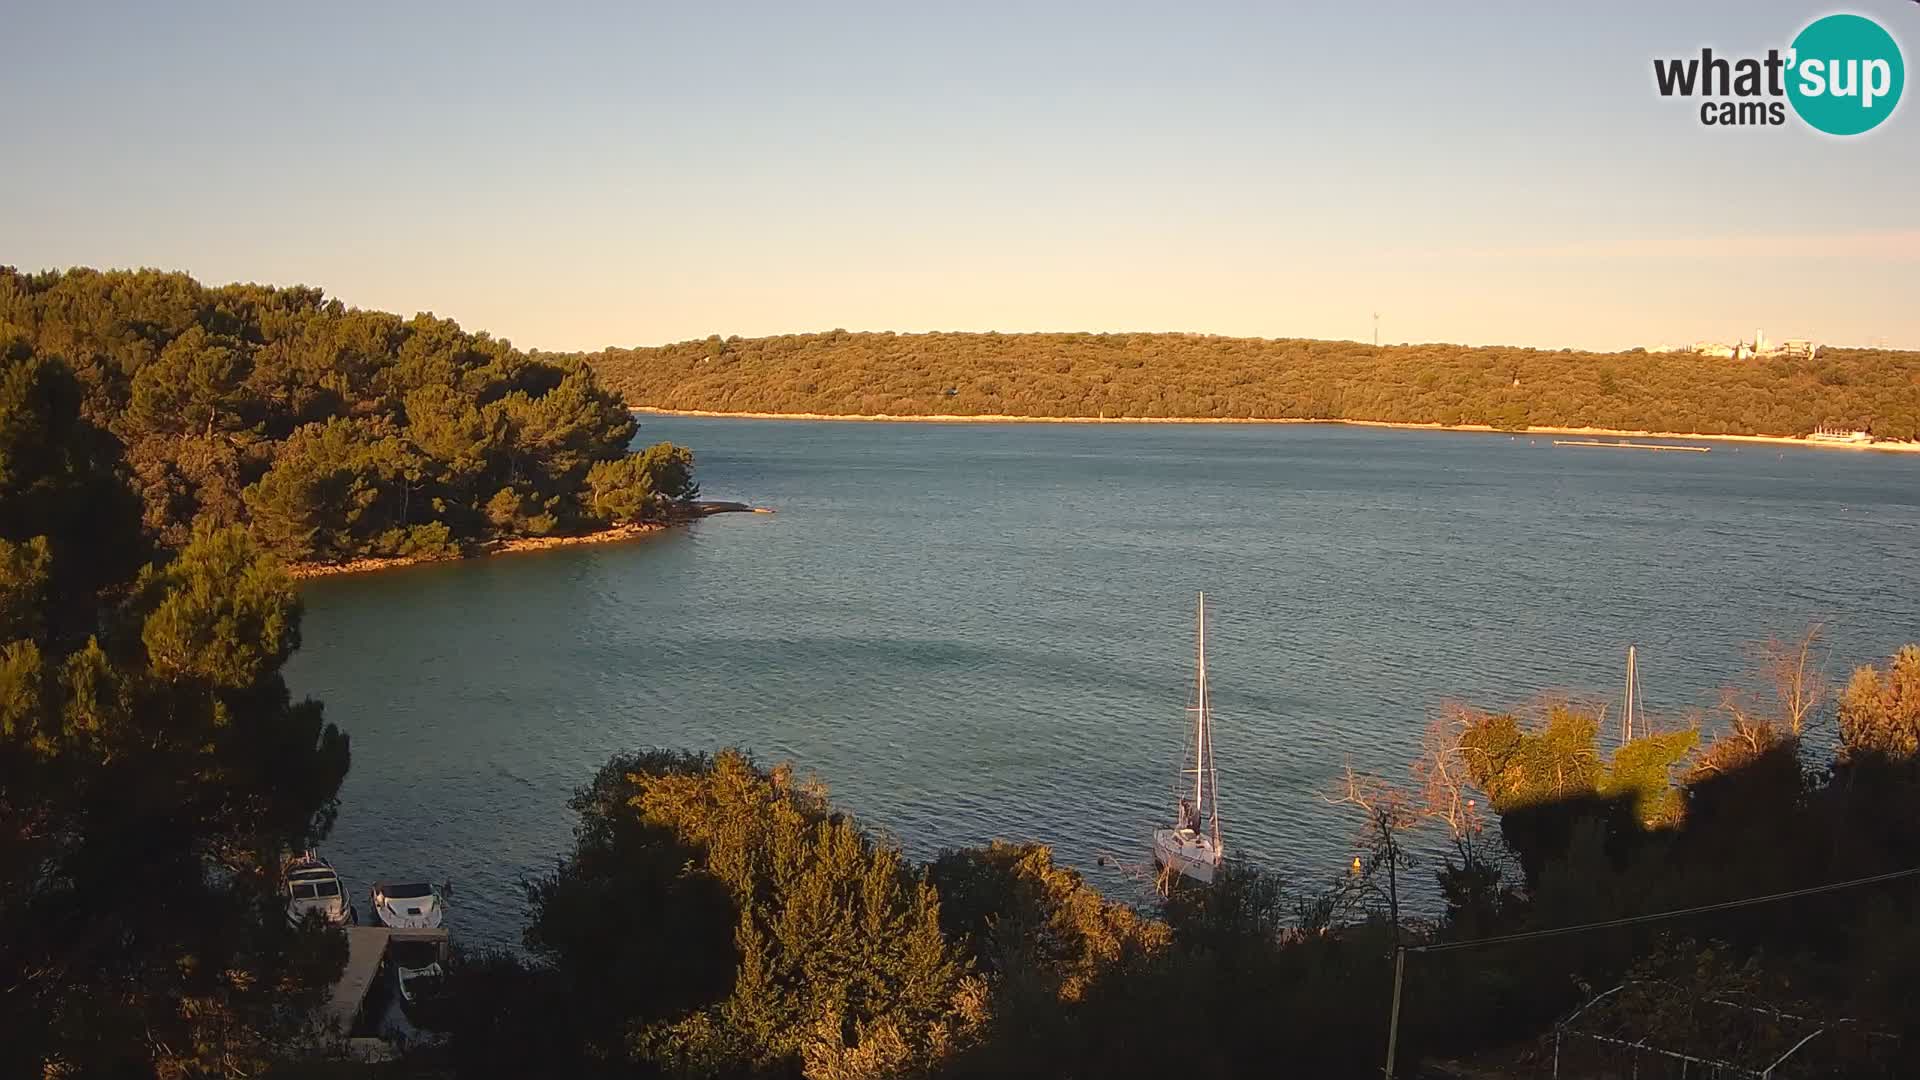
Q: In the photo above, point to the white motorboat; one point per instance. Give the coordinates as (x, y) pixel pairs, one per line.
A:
(408, 905)
(313, 887)
(1192, 847)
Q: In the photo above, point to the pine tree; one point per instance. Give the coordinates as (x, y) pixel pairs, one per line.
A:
(153, 767)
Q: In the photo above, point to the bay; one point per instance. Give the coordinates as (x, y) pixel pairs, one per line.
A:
(986, 630)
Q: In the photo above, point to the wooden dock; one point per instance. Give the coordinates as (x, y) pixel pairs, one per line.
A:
(1631, 445)
(366, 958)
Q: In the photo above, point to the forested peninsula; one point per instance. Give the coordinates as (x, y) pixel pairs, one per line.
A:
(335, 436)
(1159, 376)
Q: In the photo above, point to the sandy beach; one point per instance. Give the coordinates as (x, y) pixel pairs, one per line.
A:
(999, 418)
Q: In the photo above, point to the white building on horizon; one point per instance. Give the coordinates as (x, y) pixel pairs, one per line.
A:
(1758, 348)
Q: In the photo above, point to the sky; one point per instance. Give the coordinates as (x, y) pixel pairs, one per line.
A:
(581, 176)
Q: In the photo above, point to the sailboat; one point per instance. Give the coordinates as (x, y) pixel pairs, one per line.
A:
(1192, 846)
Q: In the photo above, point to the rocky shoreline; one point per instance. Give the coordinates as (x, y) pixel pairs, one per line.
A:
(611, 535)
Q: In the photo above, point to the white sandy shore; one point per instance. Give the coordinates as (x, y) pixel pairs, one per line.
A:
(998, 418)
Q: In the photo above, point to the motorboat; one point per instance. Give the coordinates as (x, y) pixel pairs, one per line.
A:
(408, 905)
(312, 887)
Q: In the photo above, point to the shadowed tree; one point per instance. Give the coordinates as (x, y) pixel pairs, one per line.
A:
(153, 768)
(61, 478)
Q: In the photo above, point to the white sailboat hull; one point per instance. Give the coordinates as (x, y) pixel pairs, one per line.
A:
(1187, 853)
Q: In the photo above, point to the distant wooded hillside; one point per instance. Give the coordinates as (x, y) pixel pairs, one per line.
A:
(1170, 375)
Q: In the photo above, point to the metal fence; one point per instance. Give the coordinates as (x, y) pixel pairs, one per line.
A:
(1723, 1040)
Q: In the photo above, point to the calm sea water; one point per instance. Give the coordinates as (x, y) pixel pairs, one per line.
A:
(980, 631)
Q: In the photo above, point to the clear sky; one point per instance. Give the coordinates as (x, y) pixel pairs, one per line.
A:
(624, 174)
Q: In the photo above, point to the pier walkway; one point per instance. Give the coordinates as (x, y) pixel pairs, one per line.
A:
(366, 958)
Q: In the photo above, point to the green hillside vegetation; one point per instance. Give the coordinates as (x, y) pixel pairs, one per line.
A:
(802, 944)
(1192, 375)
(334, 433)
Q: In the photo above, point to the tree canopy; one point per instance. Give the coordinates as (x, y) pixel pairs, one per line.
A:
(796, 940)
(1197, 375)
(331, 432)
(154, 768)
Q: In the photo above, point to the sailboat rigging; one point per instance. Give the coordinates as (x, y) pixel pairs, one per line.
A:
(1631, 706)
(1192, 847)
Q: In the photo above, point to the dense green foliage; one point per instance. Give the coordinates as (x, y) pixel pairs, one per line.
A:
(1192, 375)
(794, 937)
(335, 433)
(153, 768)
(1662, 827)
(1519, 769)
(801, 946)
(1880, 714)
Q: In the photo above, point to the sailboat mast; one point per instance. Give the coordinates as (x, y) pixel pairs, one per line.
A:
(1626, 711)
(1200, 726)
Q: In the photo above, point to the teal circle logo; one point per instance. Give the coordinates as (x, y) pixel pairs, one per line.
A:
(1846, 74)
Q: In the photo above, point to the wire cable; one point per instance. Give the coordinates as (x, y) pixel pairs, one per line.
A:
(1633, 920)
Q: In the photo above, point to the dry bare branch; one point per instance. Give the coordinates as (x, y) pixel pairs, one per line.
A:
(1798, 672)
(1441, 774)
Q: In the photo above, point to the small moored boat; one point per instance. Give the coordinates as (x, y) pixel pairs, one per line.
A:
(313, 887)
(408, 905)
(418, 973)
(1192, 847)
